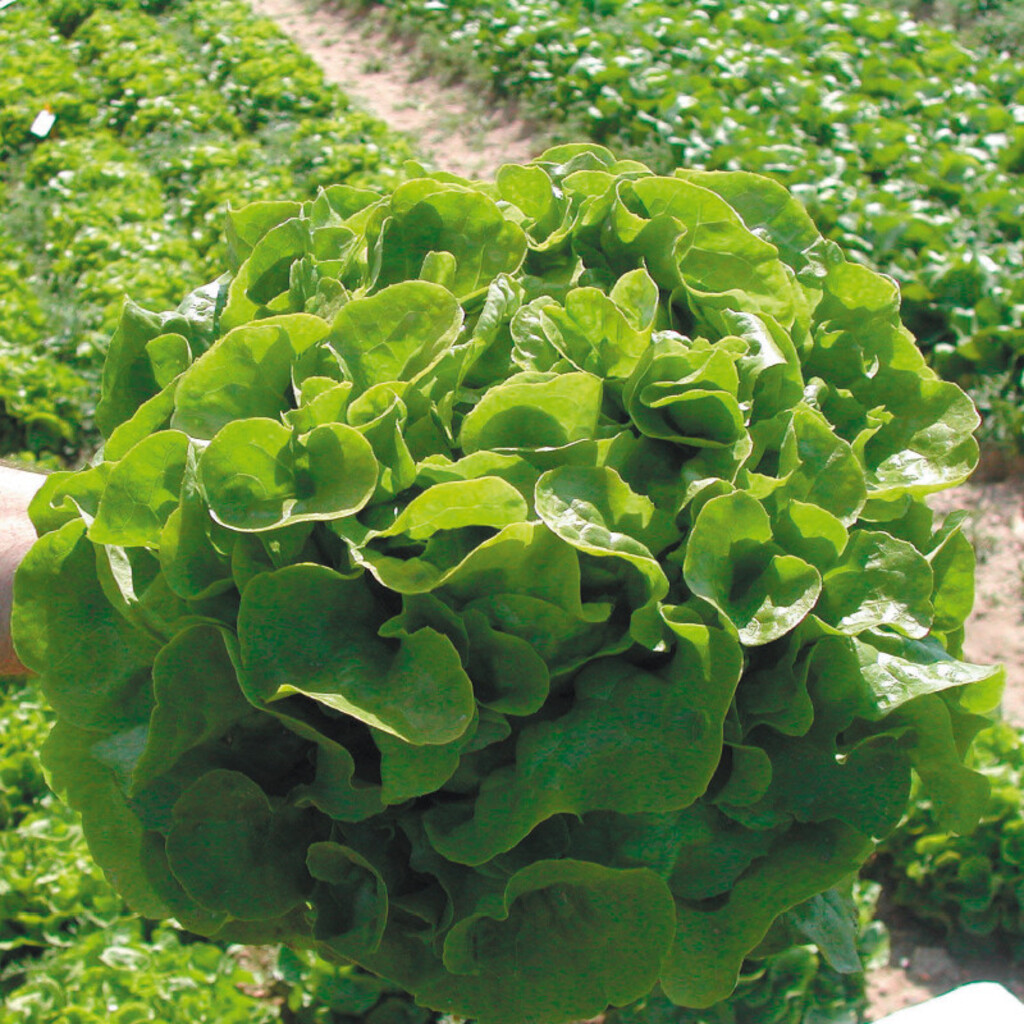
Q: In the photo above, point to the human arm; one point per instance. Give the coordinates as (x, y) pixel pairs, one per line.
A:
(16, 536)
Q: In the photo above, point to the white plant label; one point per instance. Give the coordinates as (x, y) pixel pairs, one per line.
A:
(44, 121)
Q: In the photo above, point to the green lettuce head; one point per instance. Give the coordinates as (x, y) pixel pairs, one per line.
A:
(523, 590)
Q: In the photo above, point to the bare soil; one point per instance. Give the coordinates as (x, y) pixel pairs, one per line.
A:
(447, 123)
(995, 630)
(450, 125)
(921, 967)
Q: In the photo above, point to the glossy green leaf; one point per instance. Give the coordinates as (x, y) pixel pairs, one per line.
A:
(409, 771)
(247, 373)
(484, 501)
(141, 492)
(819, 468)
(103, 681)
(929, 446)
(305, 629)
(396, 333)
(952, 563)
(194, 549)
(596, 334)
(722, 264)
(534, 193)
(897, 670)
(64, 496)
(257, 475)
(534, 410)
(765, 205)
(466, 224)
(732, 564)
(597, 513)
(154, 414)
(879, 581)
(686, 394)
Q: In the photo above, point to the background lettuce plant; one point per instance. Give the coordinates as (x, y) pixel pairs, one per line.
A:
(523, 590)
(968, 887)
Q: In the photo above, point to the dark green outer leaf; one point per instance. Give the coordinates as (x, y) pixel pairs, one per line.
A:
(116, 837)
(580, 937)
(710, 945)
(233, 852)
(96, 666)
(306, 629)
(601, 755)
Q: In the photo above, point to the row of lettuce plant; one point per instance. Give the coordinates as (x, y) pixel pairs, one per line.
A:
(162, 113)
(906, 147)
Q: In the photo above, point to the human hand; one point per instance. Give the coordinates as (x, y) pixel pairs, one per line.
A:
(17, 535)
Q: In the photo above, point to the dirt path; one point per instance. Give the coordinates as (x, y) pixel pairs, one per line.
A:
(447, 124)
(995, 630)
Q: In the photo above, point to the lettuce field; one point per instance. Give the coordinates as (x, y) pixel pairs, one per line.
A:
(624, 453)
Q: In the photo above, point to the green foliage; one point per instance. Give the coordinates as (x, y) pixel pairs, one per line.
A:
(25, 724)
(52, 890)
(165, 113)
(967, 886)
(121, 974)
(904, 145)
(524, 591)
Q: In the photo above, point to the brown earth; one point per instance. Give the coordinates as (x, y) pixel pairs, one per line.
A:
(920, 967)
(449, 124)
(995, 630)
